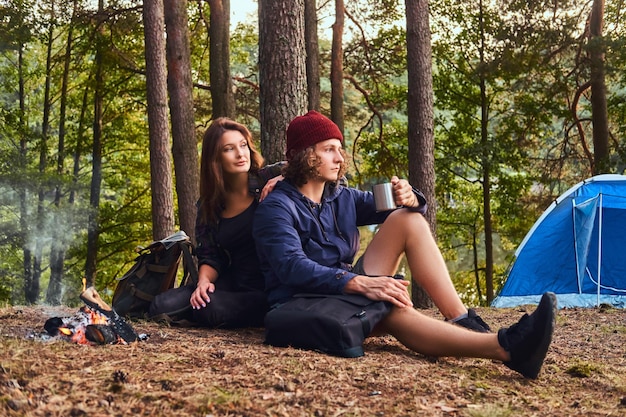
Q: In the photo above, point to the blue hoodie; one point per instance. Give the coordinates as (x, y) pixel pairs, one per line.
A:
(308, 247)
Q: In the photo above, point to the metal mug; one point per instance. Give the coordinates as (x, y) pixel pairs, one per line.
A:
(383, 196)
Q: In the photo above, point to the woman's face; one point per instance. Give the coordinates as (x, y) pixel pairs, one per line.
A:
(329, 152)
(235, 153)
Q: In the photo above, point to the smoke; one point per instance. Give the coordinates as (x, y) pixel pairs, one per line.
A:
(39, 224)
(27, 224)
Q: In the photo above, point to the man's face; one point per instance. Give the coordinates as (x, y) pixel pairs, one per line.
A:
(329, 152)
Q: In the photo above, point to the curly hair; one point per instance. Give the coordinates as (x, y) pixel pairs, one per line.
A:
(302, 167)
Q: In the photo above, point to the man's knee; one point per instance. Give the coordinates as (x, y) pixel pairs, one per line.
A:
(406, 220)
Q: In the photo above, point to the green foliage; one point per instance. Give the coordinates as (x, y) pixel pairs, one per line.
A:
(382, 155)
(10, 278)
(496, 68)
(199, 54)
(17, 23)
(530, 58)
(125, 199)
(244, 66)
(382, 12)
(378, 67)
(244, 51)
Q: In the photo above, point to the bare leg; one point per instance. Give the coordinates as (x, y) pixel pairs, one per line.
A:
(432, 337)
(409, 233)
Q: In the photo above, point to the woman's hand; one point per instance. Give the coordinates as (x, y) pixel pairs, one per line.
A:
(269, 187)
(403, 193)
(200, 296)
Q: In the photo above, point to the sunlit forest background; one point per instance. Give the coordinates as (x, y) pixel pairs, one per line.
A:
(528, 100)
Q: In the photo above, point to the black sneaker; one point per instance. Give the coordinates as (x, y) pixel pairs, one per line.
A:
(527, 340)
(473, 322)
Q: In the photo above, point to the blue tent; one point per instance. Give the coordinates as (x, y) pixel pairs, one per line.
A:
(576, 249)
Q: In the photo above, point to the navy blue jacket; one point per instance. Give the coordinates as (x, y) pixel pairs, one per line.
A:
(304, 247)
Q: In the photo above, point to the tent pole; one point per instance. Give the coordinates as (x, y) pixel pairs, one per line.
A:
(599, 251)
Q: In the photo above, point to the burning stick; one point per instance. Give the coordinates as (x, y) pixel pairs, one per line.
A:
(91, 297)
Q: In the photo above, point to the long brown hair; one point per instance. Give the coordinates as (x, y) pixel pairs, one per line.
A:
(212, 186)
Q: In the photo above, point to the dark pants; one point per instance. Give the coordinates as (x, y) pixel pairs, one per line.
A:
(227, 309)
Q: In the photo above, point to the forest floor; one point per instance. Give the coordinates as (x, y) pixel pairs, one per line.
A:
(200, 372)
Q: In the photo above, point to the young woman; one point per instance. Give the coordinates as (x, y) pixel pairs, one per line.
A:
(230, 290)
(307, 237)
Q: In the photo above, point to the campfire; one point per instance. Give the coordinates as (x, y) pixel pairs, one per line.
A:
(94, 323)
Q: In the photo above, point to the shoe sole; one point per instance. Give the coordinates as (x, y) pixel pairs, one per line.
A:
(535, 361)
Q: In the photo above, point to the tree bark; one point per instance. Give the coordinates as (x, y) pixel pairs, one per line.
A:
(282, 72)
(58, 247)
(160, 154)
(312, 55)
(93, 226)
(599, 113)
(43, 162)
(78, 150)
(31, 288)
(222, 96)
(180, 88)
(486, 147)
(420, 117)
(336, 67)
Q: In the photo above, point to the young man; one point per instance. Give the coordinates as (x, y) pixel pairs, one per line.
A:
(307, 237)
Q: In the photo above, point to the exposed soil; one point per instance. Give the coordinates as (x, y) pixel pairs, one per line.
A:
(199, 372)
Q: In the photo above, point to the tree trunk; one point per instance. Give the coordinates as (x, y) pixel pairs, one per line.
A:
(282, 72)
(180, 88)
(78, 151)
(312, 54)
(336, 67)
(57, 250)
(156, 86)
(31, 289)
(222, 95)
(93, 226)
(486, 164)
(599, 114)
(420, 115)
(43, 161)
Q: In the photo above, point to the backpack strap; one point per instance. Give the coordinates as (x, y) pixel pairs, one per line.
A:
(190, 275)
(133, 290)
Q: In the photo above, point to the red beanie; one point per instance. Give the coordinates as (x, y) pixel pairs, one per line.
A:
(307, 130)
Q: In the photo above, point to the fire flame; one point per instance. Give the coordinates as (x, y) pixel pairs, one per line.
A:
(65, 331)
(75, 329)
